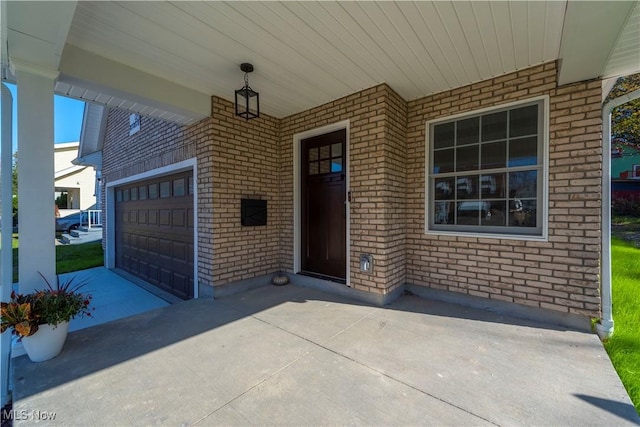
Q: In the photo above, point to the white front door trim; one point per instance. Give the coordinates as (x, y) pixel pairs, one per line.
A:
(297, 206)
(110, 209)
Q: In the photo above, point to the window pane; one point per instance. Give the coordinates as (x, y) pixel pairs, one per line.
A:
(523, 152)
(443, 161)
(443, 135)
(165, 189)
(119, 196)
(497, 215)
(523, 184)
(467, 187)
(142, 192)
(313, 168)
(494, 126)
(523, 121)
(469, 213)
(178, 187)
(325, 166)
(125, 195)
(134, 193)
(467, 158)
(336, 150)
(443, 213)
(492, 186)
(444, 188)
(468, 131)
(313, 154)
(336, 165)
(325, 152)
(494, 155)
(153, 191)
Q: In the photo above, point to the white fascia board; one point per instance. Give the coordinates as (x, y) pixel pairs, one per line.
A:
(93, 159)
(69, 171)
(94, 123)
(589, 36)
(94, 72)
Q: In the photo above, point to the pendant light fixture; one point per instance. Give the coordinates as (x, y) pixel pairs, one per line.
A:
(247, 100)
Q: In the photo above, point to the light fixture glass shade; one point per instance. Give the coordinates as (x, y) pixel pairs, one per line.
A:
(247, 103)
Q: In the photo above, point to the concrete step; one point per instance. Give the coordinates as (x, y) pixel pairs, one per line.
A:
(79, 237)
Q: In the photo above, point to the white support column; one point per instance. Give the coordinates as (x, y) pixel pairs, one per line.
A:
(36, 223)
(6, 255)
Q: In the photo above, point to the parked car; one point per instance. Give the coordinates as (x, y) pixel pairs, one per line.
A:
(71, 222)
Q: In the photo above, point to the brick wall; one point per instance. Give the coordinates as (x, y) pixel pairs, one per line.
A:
(377, 118)
(560, 274)
(239, 160)
(236, 159)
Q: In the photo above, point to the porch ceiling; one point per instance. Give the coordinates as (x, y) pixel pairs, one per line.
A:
(309, 53)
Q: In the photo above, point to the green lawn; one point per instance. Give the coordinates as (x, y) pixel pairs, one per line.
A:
(624, 346)
(69, 257)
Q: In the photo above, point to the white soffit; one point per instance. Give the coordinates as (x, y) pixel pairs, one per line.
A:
(591, 33)
(38, 42)
(309, 53)
(625, 58)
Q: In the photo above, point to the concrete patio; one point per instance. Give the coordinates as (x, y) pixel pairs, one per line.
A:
(296, 356)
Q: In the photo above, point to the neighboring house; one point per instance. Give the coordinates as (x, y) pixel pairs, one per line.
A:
(75, 185)
(625, 168)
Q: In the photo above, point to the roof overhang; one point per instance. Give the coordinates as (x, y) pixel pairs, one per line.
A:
(166, 59)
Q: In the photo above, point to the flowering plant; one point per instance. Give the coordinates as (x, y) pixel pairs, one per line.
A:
(52, 306)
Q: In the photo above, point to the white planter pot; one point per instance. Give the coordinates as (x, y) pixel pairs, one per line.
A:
(47, 343)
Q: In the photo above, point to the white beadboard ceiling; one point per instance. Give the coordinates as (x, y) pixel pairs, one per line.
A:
(309, 53)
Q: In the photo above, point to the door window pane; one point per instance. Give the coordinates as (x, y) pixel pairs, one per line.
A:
(336, 150)
(336, 165)
(125, 195)
(313, 168)
(313, 154)
(119, 196)
(142, 192)
(325, 166)
(190, 184)
(325, 152)
(134, 193)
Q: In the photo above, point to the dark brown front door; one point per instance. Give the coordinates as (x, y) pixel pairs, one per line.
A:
(154, 232)
(323, 205)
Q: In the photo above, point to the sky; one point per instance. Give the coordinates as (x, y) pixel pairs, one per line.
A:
(67, 118)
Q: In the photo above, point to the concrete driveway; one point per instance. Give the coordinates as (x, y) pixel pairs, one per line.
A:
(296, 356)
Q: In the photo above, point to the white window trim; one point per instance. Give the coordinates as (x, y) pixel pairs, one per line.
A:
(544, 236)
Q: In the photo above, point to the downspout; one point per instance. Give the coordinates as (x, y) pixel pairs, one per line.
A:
(604, 327)
(6, 228)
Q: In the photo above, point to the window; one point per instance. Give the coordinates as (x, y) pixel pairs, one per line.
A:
(486, 171)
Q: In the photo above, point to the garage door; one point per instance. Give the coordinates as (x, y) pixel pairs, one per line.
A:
(154, 232)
